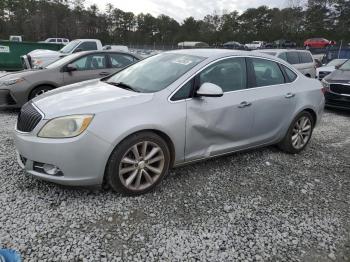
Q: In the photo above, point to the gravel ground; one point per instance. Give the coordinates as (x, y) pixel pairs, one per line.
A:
(258, 205)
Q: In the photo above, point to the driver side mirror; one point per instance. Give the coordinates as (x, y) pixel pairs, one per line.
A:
(337, 67)
(210, 90)
(71, 68)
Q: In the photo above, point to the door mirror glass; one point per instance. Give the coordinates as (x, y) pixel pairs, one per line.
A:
(71, 68)
(210, 90)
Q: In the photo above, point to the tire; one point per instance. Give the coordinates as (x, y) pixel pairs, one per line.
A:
(289, 144)
(39, 91)
(130, 175)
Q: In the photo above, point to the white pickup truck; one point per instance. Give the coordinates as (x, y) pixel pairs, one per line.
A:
(41, 58)
(255, 45)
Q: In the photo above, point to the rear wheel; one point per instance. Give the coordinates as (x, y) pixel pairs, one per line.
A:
(299, 133)
(39, 91)
(138, 164)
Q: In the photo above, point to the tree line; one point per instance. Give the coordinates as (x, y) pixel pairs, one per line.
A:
(39, 19)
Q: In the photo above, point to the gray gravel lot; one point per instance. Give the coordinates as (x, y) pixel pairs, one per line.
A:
(258, 205)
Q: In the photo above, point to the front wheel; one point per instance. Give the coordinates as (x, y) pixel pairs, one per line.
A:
(39, 91)
(299, 133)
(138, 164)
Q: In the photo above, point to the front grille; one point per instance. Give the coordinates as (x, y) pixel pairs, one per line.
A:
(340, 89)
(28, 118)
(322, 74)
(6, 98)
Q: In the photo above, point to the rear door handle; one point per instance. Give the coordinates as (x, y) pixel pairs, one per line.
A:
(244, 104)
(289, 95)
(104, 74)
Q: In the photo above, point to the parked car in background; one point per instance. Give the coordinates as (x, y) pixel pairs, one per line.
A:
(122, 48)
(191, 44)
(15, 38)
(318, 43)
(128, 129)
(62, 41)
(282, 43)
(300, 59)
(337, 87)
(323, 71)
(233, 45)
(41, 58)
(336, 53)
(19, 87)
(255, 45)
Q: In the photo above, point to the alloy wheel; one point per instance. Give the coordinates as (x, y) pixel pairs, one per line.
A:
(141, 166)
(301, 132)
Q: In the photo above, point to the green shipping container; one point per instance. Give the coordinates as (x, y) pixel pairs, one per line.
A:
(11, 52)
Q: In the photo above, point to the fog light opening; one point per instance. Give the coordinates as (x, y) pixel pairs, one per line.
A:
(52, 170)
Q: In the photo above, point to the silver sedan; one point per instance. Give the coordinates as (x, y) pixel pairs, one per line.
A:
(128, 129)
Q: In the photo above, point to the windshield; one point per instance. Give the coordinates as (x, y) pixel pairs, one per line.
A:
(69, 47)
(155, 73)
(345, 66)
(63, 61)
(336, 62)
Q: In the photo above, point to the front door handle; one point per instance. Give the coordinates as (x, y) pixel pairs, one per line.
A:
(244, 104)
(104, 74)
(289, 95)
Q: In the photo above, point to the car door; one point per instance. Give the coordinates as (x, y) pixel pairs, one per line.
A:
(217, 125)
(120, 60)
(272, 97)
(307, 64)
(88, 67)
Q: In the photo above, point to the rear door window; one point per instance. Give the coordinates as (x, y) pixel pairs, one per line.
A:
(266, 72)
(305, 58)
(293, 58)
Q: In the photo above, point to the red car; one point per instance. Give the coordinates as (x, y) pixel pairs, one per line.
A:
(318, 43)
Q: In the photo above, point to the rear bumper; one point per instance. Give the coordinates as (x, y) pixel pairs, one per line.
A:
(337, 101)
(81, 159)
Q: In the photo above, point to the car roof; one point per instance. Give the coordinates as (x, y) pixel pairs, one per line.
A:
(107, 52)
(217, 52)
(281, 50)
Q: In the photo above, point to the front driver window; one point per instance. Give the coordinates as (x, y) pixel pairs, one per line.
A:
(229, 74)
(90, 62)
(120, 60)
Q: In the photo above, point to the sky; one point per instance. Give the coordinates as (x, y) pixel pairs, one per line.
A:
(180, 9)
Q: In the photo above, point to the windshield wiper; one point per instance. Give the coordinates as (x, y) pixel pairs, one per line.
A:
(123, 85)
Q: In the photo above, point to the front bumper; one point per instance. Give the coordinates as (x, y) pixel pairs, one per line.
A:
(81, 159)
(337, 101)
(7, 100)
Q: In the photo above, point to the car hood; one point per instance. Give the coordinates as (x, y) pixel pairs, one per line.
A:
(12, 75)
(44, 53)
(342, 76)
(88, 97)
(326, 69)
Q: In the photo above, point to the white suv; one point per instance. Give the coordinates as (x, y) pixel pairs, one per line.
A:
(300, 59)
(63, 41)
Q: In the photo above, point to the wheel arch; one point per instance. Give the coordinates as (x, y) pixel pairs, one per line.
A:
(39, 85)
(158, 132)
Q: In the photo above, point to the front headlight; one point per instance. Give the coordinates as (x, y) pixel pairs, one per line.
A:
(325, 84)
(65, 127)
(12, 81)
